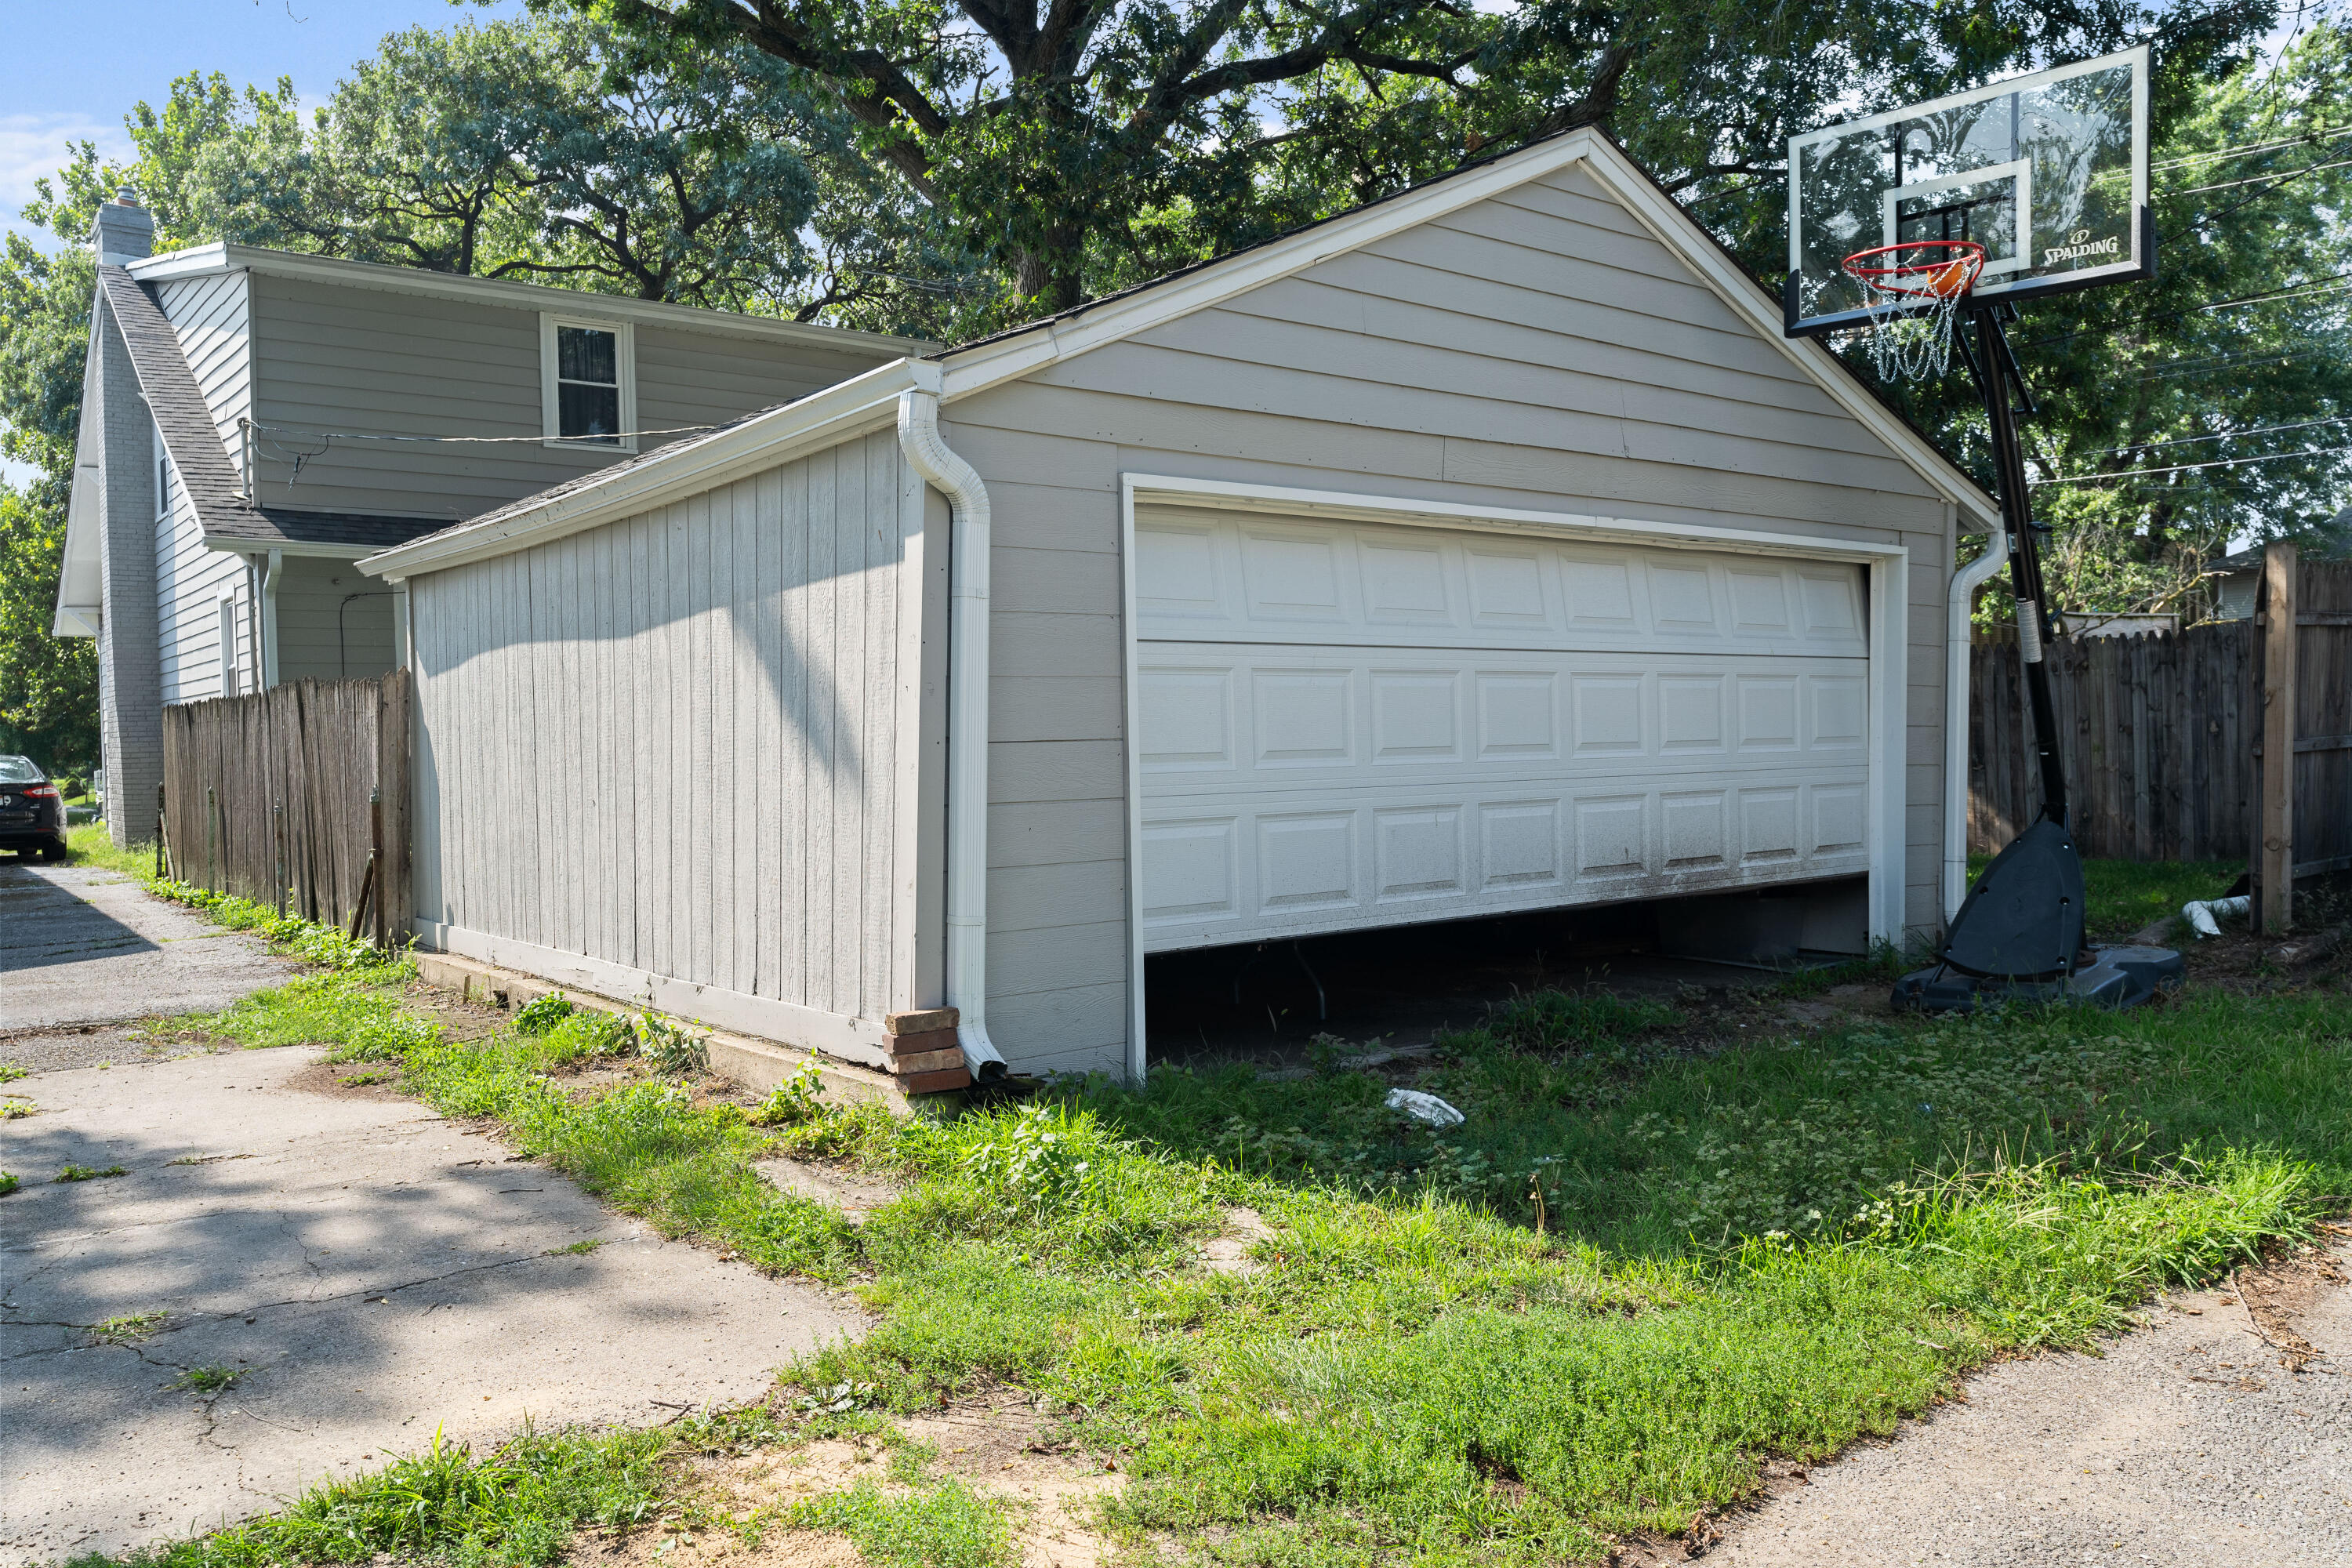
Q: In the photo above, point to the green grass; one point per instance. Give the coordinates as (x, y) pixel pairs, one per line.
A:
(91, 843)
(2124, 895)
(15, 1106)
(129, 1329)
(88, 1172)
(1643, 1263)
(206, 1379)
(10, 1072)
(9, 1182)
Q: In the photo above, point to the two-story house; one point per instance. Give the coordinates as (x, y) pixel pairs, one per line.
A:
(254, 421)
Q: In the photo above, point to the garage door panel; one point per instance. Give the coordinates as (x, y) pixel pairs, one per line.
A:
(1348, 725)
(1231, 578)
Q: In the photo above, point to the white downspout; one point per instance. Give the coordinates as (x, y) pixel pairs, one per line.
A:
(269, 577)
(1956, 709)
(967, 957)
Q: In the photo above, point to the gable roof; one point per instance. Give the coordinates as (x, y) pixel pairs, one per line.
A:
(180, 410)
(869, 402)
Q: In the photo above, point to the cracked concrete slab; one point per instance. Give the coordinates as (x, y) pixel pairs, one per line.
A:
(82, 946)
(372, 1272)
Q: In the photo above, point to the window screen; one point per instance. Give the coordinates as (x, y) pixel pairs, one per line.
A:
(588, 383)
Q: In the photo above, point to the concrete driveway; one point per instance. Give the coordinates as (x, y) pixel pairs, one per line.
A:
(371, 1272)
(82, 950)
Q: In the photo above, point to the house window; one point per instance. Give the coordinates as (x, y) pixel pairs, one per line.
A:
(227, 618)
(588, 376)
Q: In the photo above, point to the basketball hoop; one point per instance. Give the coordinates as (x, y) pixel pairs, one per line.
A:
(1913, 292)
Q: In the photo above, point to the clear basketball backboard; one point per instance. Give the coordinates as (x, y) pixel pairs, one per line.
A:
(2047, 172)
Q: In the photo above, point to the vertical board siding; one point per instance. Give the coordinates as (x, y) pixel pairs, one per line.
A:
(669, 743)
(1539, 350)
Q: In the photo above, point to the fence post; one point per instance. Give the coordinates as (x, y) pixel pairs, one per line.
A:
(2275, 869)
(277, 854)
(163, 865)
(211, 838)
(376, 863)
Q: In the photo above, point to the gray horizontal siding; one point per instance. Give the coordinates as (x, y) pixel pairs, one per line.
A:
(214, 322)
(374, 362)
(1541, 351)
(188, 582)
(334, 621)
(672, 743)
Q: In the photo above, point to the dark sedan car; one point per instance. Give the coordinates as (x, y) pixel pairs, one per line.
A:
(32, 811)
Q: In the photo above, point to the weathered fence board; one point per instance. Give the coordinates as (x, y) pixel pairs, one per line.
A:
(267, 796)
(2158, 734)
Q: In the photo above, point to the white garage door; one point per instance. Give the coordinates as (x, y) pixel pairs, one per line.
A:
(1345, 724)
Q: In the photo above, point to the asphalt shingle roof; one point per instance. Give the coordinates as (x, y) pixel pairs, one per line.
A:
(178, 404)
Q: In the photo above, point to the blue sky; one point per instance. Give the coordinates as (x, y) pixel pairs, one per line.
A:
(75, 68)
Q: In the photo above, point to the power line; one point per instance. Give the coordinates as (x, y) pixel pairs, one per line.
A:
(2309, 137)
(2221, 436)
(2193, 468)
(2258, 179)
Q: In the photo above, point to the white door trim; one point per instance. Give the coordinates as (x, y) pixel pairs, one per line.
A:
(1889, 567)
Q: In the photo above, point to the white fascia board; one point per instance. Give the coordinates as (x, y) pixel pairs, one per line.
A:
(205, 260)
(977, 369)
(230, 544)
(823, 419)
(81, 589)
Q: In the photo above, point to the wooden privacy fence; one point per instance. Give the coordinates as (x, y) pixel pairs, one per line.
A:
(2158, 734)
(267, 796)
(2164, 736)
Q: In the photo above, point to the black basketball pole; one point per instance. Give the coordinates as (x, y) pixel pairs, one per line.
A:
(1997, 374)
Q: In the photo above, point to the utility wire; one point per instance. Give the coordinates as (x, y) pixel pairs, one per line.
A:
(2193, 468)
(474, 440)
(2309, 137)
(2258, 179)
(2220, 435)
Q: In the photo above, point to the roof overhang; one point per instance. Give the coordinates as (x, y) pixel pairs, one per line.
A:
(210, 260)
(81, 587)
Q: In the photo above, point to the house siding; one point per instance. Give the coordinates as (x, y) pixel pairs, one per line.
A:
(334, 621)
(372, 362)
(212, 318)
(678, 744)
(189, 579)
(1538, 351)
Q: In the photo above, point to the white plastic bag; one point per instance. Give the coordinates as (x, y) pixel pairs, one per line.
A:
(1424, 1107)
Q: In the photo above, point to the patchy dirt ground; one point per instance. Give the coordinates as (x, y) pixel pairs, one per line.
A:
(997, 1445)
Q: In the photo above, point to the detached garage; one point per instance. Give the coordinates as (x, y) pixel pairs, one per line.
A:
(1483, 550)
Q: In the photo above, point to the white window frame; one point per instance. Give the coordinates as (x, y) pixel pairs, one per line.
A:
(161, 469)
(624, 364)
(225, 617)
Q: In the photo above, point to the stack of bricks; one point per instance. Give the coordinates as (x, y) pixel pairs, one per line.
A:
(924, 1055)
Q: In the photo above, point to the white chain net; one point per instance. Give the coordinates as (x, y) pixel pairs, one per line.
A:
(1910, 332)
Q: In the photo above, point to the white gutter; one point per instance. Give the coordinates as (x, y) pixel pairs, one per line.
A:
(1957, 709)
(967, 957)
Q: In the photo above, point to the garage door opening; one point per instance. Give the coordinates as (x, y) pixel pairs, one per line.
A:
(1264, 1002)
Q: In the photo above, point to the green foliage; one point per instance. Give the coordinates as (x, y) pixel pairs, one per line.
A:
(669, 1046)
(9, 1182)
(543, 1013)
(10, 1072)
(360, 1023)
(206, 1379)
(944, 1526)
(586, 1034)
(48, 685)
(799, 1099)
(15, 1106)
(326, 945)
(88, 1172)
(129, 1329)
